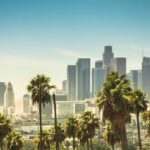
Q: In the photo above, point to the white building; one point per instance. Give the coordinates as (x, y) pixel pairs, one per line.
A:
(2, 93)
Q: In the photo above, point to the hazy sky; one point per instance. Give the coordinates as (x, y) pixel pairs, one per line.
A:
(43, 36)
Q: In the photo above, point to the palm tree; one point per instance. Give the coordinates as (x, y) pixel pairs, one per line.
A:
(14, 141)
(46, 140)
(71, 128)
(60, 136)
(87, 126)
(113, 100)
(39, 88)
(5, 129)
(146, 119)
(139, 104)
(109, 136)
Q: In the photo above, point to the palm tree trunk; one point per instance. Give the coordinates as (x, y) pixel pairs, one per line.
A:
(40, 118)
(87, 144)
(91, 144)
(113, 147)
(124, 143)
(54, 101)
(138, 128)
(73, 142)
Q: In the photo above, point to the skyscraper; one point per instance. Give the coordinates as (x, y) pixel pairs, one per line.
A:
(2, 93)
(146, 75)
(107, 56)
(9, 96)
(134, 78)
(26, 103)
(119, 65)
(99, 64)
(64, 86)
(98, 79)
(83, 78)
(71, 82)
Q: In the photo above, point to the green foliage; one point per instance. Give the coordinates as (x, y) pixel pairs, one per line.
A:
(87, 124)
(39, 87)
(138, 101)
(14, 141)
(5, 128)
(146, 119)
(114, 101)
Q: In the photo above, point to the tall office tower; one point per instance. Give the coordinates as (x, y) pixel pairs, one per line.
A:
(107, 56)
(118, 65)
(64, 86)
(26, 103)
(71, 82)
(9, 96)
(98, 79)
(99, 64)
(83, 78)
(134, 78)
(140, 78)
(2, 93)
(146, 75)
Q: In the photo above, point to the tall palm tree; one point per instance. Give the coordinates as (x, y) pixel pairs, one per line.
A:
(114, 101)
(14, 141)
(87, 126)
(5, 129)
(139, 104)
(71, 128)
(40, 87)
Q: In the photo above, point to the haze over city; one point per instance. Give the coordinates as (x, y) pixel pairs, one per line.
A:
(45, 36)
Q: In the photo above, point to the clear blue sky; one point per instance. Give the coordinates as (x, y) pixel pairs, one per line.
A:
(43, 36)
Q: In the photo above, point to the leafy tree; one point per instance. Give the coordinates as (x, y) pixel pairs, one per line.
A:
(71, 128)
(139, 104)
(5, 128)
(114, 101)
(39, 87)
(14, 141)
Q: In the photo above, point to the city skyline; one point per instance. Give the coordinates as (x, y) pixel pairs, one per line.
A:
(46, 41)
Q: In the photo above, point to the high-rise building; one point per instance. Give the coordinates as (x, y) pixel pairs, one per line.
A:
(107, 56)
(9, 96)
(2, 93)
(99, 64)
(26, 103)
(83, 78)
(140, 78)
(119, 65)
(98, 79)
(71, 82)
(64, 86)
(146, 75)
(134, 78)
